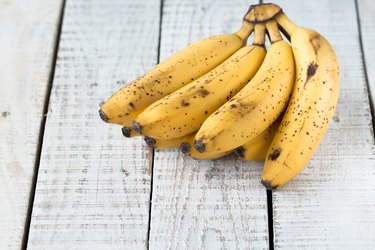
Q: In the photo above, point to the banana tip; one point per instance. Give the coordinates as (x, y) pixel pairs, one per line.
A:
(150, 141)
(199, 146)
(137, 127)
(185, 147)
(240, 151)
(126, 131)
(267, 184)
(103, 116)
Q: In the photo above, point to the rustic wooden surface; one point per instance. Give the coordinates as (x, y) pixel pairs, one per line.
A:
(366, 19)
(28, 34)
(330, 205)
(93, 187)
(204, 204)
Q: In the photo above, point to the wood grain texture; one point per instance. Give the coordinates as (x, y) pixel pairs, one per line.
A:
(94, 185)
(28, 31)
(330, 205)
(366, 9)
(205, 204)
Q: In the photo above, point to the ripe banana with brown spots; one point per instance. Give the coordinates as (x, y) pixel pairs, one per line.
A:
(170, 75)
(312, 105)
(256, 106)
(256, 149)
(183, 111)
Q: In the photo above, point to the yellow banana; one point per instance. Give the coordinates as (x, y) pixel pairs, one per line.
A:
(183, 111)
(167, 143)
(171, 74)
(256, 149)
(187, 148)
(311, 107)
(256, 106)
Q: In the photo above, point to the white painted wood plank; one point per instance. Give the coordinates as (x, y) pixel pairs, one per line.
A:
(367, 21)
(28, 31)
(205, 204)
(331, 204)
(94, 185)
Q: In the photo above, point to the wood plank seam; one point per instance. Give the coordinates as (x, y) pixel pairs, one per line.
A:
(42, 129)
(93, 187)
(152, 151)
(205, 204)
(270, 219)
(370, 95)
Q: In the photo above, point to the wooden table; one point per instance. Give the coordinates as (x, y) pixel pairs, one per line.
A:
(70, 181)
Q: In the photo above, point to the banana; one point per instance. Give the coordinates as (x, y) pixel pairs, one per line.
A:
(256, 106)
(312, 105)
(167, 143)
(256, 149)
(187, 148)
(184, 111)
(171, 74)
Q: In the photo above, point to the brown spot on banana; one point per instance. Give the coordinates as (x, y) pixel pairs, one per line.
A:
(275, 154)
(184, 103)
(244, 108)
(203, 92)
(315, 43)
(311, 70)
(131, 105)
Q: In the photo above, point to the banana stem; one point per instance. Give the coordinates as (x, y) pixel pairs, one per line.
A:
(245, 31)
(273, 31)
(286, 24)
(259, 33)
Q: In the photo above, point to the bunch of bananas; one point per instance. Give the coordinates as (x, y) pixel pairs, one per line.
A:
(219, 96)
